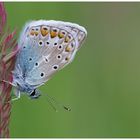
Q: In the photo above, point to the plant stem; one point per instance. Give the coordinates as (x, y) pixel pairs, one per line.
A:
(8, 50)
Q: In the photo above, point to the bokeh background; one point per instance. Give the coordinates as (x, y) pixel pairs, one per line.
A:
(102, 85)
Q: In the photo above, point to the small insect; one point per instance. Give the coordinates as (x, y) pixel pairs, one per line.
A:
(45, 47)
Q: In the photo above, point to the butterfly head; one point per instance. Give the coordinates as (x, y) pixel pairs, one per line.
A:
(35, 94)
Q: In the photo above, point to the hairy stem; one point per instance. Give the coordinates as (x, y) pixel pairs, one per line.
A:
(8, 50)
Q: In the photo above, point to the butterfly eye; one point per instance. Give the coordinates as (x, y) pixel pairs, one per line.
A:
(55, 67)
(24, 47)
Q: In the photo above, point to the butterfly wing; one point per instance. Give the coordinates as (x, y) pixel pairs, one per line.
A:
(46, 47)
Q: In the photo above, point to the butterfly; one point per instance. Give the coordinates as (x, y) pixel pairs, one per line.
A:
(45, 47)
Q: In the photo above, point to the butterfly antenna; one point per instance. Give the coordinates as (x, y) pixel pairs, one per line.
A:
(57, 103)
(51, 104)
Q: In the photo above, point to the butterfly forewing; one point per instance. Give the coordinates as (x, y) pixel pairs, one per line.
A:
(46, 47)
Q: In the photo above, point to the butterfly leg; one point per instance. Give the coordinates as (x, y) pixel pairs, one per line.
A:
(17, 94)
(9, 83)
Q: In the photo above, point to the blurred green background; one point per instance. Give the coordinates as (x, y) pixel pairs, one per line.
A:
(102, 85)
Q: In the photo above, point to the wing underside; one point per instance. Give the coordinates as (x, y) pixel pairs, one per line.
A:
(46, 47)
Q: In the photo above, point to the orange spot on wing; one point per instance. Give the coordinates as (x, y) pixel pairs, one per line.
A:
(61, 35)
(67, 39)
(53, 34)
(67, 58)
(68, 49)
(32, 32)
(36, 33)
(44, 31)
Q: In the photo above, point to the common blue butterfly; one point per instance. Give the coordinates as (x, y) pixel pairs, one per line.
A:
(45, 47)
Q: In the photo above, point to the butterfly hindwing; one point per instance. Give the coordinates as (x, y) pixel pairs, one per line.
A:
(46, 47)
